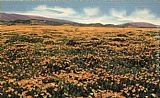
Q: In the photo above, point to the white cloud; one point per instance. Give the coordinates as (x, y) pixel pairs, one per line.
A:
(142, 14)
(52, 12)
(41, 7)
(93, 15)
(118, 13)
(91, 11)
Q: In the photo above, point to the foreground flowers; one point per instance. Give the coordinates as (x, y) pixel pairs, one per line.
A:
(50, 62)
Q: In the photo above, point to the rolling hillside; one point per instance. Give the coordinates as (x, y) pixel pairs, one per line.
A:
(12, 19)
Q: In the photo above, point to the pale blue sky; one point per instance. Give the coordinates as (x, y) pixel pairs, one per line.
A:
(89, 11)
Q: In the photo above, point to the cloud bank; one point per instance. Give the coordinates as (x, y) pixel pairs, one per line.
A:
(94, 14)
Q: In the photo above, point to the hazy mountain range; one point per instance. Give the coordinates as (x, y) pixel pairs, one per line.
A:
(12, 19)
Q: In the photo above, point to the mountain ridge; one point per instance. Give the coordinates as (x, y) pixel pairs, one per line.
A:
(14, 17)
(138, 24)
(6, 18)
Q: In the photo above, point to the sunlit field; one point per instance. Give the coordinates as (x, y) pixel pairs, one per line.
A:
(72, 61)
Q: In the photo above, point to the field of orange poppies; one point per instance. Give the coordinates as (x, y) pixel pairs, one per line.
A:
(71, 61)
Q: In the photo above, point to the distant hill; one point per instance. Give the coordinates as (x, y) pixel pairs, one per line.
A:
(138, 24)
(11, 19)
(17, 18)
(91, 24)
